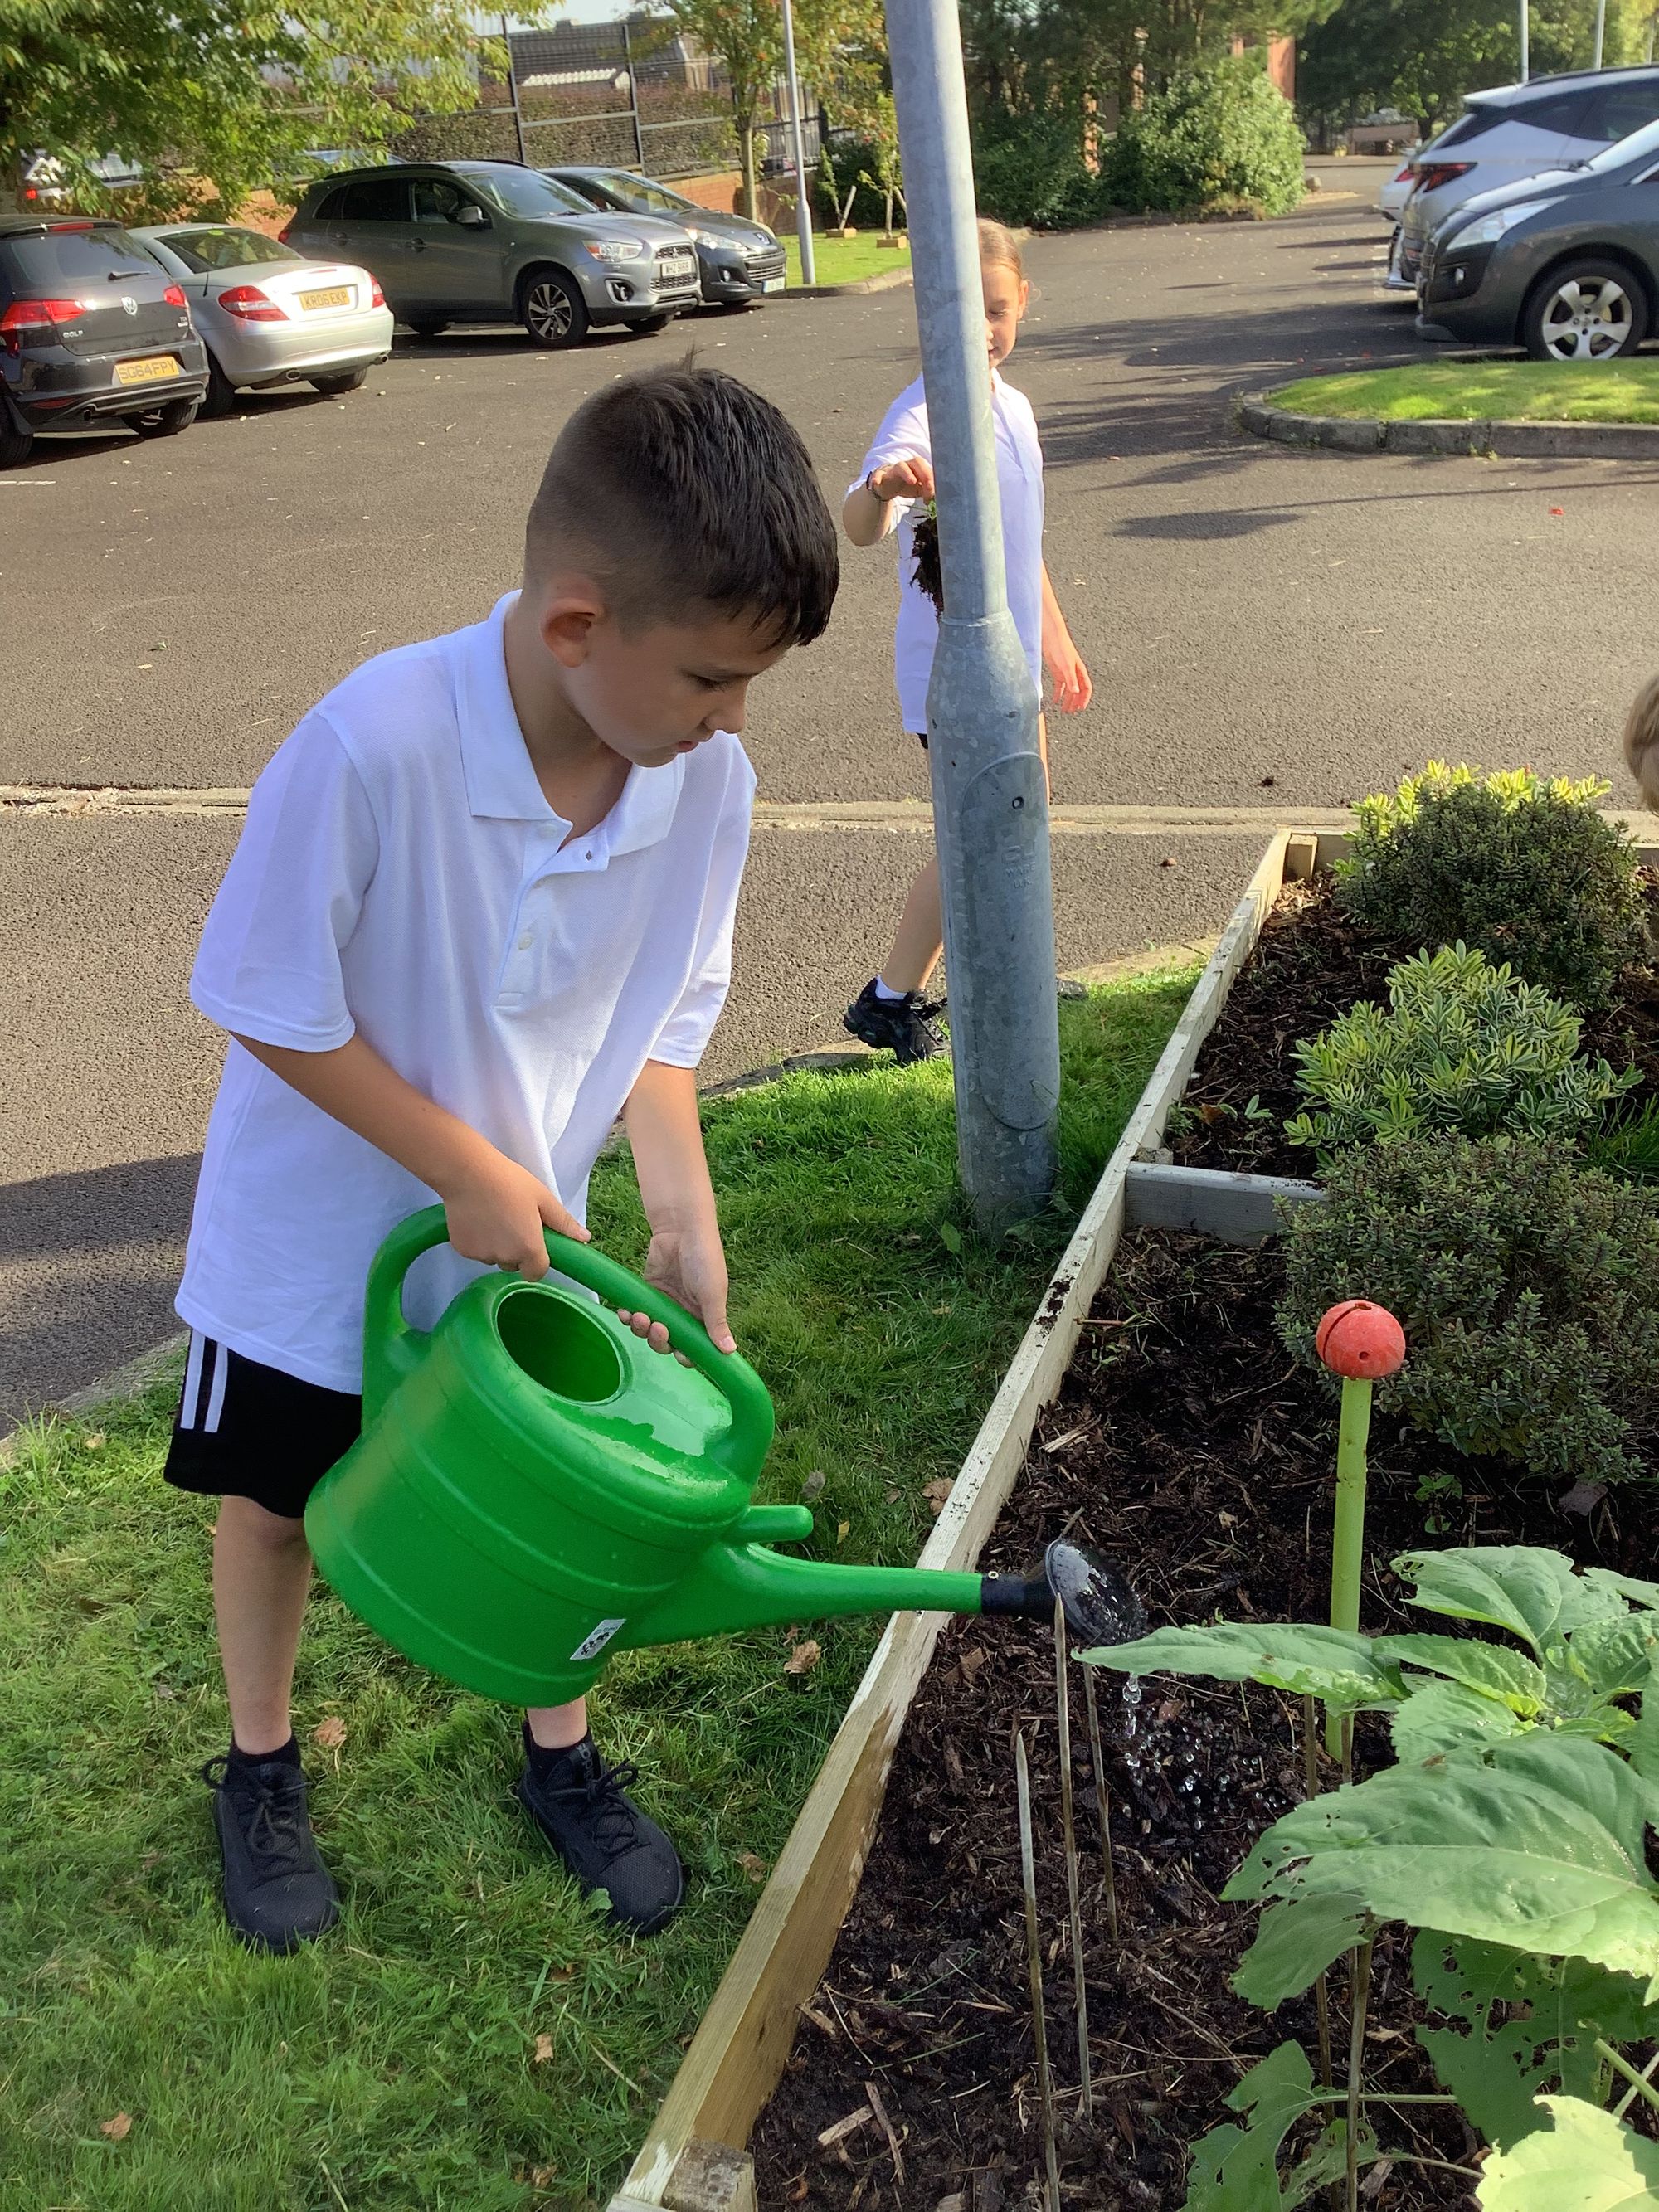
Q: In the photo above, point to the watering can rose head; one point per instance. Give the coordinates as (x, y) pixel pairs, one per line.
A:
(1361, 1341)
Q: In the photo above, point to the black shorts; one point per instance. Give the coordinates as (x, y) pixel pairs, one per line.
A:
(247, 1431)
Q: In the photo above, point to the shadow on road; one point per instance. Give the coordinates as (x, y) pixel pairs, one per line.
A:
(88, 1264)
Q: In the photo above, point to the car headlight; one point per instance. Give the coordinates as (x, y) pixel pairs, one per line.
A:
(1487, 229)
(616, 249)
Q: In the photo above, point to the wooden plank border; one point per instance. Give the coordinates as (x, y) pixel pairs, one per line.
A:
(737, 2057)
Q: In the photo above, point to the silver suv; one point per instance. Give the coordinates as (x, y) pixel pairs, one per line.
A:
(1513, 132)
(491, 242)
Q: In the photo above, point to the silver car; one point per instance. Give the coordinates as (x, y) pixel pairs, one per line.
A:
(492, 242)
(1513, 132)
(269, 317)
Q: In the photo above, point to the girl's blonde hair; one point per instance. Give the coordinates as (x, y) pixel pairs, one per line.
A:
(999, 248)
(1642, 741)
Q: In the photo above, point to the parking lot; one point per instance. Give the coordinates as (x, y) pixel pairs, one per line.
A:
(1268, 629)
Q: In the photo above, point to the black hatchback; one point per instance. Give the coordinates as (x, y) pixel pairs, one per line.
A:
(93, 330)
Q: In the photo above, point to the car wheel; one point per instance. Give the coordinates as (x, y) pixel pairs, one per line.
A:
(428, 326)
(349, 381)
(553, 310)
(15, 444)
(1585, 311)
(651, 325)
(166, 421)
(220, 398)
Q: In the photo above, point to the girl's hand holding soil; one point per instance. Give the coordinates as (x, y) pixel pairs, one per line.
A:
(910, 478)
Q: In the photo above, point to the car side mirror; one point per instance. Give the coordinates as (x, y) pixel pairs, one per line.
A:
(471, 217)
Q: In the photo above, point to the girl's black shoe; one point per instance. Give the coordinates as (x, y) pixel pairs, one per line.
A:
(608, 1843)
(903, 1026)
(277, 1892)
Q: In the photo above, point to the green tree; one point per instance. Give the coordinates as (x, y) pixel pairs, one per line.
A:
(837, 43)
(211, 99)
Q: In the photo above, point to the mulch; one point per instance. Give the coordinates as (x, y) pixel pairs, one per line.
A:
(1187, 1447)
(1309, 965)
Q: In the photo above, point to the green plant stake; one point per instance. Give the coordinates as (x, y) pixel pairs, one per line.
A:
(1360, 1342)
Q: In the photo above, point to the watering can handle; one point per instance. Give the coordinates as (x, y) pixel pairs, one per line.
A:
(392, 1347)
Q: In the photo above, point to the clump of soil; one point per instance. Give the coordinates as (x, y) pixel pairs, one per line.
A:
(1187, 1448)
(1309, 965)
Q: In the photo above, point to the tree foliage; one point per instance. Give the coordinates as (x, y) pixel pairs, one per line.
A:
(210, 99)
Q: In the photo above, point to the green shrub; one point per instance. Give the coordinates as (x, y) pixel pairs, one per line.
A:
(1527, 1288)
(1524, 870)
(1029, 169)
(1218, 135)
(1464, 1046)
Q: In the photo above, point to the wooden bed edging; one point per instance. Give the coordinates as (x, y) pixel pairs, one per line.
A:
(735, 2059)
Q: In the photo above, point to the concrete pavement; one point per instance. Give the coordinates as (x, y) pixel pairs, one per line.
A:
(1268, 629)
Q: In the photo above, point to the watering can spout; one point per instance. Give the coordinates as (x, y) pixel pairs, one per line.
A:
(745, 1584)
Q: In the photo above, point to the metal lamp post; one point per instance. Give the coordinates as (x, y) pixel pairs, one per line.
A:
(1526, 71)
(809, 274)
(990, 801)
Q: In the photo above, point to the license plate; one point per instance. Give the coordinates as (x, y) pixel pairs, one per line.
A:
(681, 266)
(337, 295)
(773, 284)
(152, 370)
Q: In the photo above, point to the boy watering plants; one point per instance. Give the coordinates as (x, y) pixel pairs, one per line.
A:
(482, 905)
(891, 1010)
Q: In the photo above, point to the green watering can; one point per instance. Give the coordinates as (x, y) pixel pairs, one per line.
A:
(535, 1488)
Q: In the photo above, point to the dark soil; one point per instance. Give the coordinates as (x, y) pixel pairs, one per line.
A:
(1310, 965)
(1186, 1447)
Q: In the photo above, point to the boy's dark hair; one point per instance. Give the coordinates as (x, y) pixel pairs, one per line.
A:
(682, 487)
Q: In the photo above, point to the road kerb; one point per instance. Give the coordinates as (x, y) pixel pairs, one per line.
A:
(1370, 434)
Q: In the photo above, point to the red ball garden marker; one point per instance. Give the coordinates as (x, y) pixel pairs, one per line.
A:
(1361, 1343)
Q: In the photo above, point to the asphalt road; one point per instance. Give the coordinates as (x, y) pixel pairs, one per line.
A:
(1266, 628)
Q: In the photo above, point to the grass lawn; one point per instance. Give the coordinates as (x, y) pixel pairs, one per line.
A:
(472, 2038)
(1494, 390)
(846, 260)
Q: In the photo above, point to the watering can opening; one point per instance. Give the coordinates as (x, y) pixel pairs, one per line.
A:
(559, 1342)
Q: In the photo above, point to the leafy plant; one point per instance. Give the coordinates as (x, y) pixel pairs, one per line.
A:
(1512, 1832)
(1219, 134)
(1464, 1046)
(1523, 870)
(1529, 1291)
(1628, 1144)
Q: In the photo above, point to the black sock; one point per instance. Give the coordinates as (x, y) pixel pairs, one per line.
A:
(286, 1754)
(542, 1756)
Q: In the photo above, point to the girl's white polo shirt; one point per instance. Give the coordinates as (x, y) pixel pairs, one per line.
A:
(1019, 481)
(402, 877)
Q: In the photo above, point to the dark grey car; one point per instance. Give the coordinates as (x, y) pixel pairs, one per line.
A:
(1566, 263)
(740, 260)
(93, 332)
(491, 242)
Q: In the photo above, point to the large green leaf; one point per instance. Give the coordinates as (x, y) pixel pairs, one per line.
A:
(1607, 1658)
(1533, 1592)
(1237, 2169)
(1328, 2162)
(1327, 1664)
(1295, 1941)
(1644, 1594)
(1491, 1668)
(1525, 2024)
(1442, 1717)
(1537, 1842)
(1586, 2162)
(1645, 1741)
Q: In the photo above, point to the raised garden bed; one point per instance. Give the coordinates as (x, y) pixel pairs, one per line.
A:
(1183, 1442)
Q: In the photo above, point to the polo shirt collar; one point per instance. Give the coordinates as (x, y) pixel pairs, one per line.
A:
(501, 782)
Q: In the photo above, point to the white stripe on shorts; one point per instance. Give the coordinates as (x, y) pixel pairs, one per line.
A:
(216, 1395)
(192, 1381)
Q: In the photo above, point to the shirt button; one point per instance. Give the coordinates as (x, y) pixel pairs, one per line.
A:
(526, 942)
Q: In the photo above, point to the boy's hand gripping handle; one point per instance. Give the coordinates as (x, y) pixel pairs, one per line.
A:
(391, 1348)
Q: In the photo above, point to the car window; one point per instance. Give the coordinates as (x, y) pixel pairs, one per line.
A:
(1474, 125)
(1559, 112)
(1640, 146)
(1617, 110)
(527, 192)
(331, 207)
(376, 200)
(644, 197)
(58, 260)
(223, 246)
(439, 200)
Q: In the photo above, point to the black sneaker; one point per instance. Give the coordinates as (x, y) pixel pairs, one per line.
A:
(905, 1026)
(608, 1843)
(277, 1892)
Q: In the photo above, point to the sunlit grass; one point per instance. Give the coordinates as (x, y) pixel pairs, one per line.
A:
(1490, 390)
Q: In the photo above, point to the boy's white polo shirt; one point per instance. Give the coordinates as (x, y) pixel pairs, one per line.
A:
(904, 431)
(402, 877)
